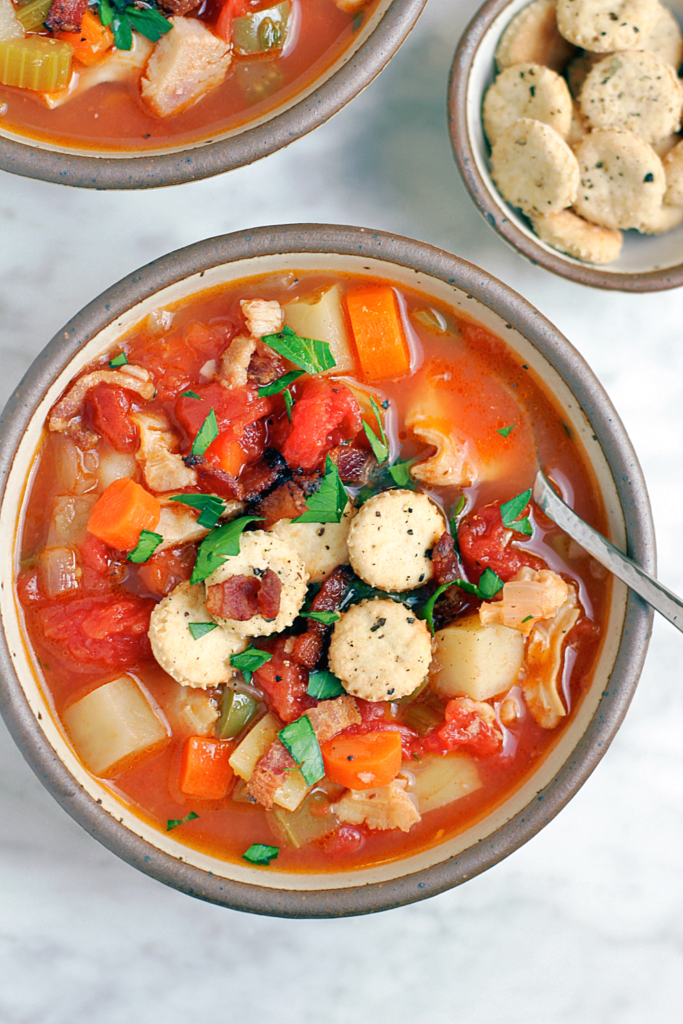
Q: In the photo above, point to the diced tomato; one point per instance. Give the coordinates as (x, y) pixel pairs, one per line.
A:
(110, 408)
(323, 416)
(161, 573)
(231, 9)
(486, 543)
(104, 632)
(347, 839)
(234, 409)
(176, 359)
(284, 682)
(103, 567)
(463, 729)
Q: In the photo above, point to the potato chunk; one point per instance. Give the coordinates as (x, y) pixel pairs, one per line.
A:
(476, 661)
(438, 780)
(321, 316)
(114, 726)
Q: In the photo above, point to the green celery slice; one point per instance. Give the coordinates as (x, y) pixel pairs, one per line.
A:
(237, 710)
(36, 63)
(300, 827)
(33, 14)
(263, 30)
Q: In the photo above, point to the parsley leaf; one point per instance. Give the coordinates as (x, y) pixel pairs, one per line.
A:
(211, 507)
(301, 741)
(191, 394)
(323, 685)
(260, 853)
(289, 402)
(208, 432)
(123, 19)
(200, 629)
(327, 504)
(489, 584)
(427, 612)
(149, 23)
(249, 661)
(510, 510)
(528, 617)
(281, 384)
(174, 822)
(400, 473)
(379, 445)
(506, 431)
(312, 356)
(120, 360)
(325, 617)
(220, 545)
(453, 521)
(147, 544)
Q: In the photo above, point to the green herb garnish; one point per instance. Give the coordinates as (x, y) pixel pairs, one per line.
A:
(249, 661)
(174, 822)
(489, 585)
(210, 506)
(453, 521)
(506, 431)
(120, 360)
(301, 741)
(281, 384)
(427, 612)
(220, 545)
(200, 629)
(327, 504)
(124, 18)
(260, 853)
(379, 444)
(147, 544)
(208, 432)
(325, 617)
(399, 472)
(510, 510)
(324, 685)
(191, 394)
(528, 617)
(289, 402)
(312, 356)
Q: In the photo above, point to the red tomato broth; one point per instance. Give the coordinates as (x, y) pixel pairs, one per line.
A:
(474, 357)
(111, 115)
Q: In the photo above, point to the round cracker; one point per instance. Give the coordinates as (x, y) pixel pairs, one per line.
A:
(622, 179)
(664, 39)
(664, 219)
(605, 25)
(577, 237)
(665, 145)
(534, 168)
(531, 91)
(673, 169)
(577, 71)
(634, 90)
(578, 128)
(533, 37)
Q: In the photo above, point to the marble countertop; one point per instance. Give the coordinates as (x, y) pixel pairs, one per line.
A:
(580, 926)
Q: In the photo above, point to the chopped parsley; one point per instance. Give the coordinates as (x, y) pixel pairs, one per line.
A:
(120, 360)
(210, 506)
(261, 853)
(379, 444)
(289, 402)
(302, 743)
(324, 685)
(149, 22)
(208, 432)
(147, 544)
(512, 509)
(327, 504)
(249, 661)
(200, 629)
(528, 617)
(506, 431)
(399, 472)
(489, 585)
(281, 384)
(427, 612)
(325, 617)
(221, 544)
(312, 356)
(191, 394)
(174, 822)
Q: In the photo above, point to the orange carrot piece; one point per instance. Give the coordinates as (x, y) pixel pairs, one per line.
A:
(204, 769)
(378, 332)
(94, 41)
(366, 761)
(121, 512)
(226, 453)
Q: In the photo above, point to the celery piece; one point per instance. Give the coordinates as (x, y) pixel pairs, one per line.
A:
(263, 30)
(425, 716)
(312, 820)
(237, 710)
(36, 63)
(33, 14)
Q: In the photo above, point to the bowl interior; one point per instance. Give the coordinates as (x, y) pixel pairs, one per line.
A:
(137, 839)
(641, 254)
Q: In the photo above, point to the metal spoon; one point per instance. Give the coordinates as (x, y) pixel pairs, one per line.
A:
(661, 599)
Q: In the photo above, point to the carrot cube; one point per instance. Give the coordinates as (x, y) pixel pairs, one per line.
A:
(121, 512)
(205, 772)
(381, 342)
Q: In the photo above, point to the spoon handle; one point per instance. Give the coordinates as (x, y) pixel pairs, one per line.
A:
(661, 599)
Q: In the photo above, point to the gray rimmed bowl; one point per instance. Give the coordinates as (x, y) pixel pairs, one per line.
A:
(647, 263)
(447, 279)
(372, 48)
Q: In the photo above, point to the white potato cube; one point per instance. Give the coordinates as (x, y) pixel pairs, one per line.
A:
(254, 746)
(114, 726)
(476, 661)
(320, 316)
(292, 791)
(439, 780)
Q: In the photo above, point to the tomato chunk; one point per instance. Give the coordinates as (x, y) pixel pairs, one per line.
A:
(325, 415)
(234, 409)
(284, 682)
(486, 543)
(106, 632)
(110, 408)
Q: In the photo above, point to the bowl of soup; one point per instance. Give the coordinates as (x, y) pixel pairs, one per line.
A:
(282, 627)
(565, 123)
(125, 96)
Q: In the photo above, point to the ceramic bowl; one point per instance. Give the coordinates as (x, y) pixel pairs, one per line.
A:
(448, 280)
(647, 263)
(373, 46)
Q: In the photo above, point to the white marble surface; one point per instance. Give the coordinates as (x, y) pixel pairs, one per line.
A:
(583, 924)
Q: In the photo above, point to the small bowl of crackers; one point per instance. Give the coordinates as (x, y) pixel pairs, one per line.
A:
(565, 119)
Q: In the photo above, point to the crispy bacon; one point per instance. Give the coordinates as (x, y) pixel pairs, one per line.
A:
(354, 464)
(309, 646)
(269, 594)
(269, 774)
(265, 365)
(286, 502)
(254, 479)
(236, 598)
(445, 560)
(178, 6)
(66, 15)
(331, 716)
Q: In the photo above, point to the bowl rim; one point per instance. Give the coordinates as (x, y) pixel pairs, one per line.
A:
(424, 259)
(479, 190)
(207, 159)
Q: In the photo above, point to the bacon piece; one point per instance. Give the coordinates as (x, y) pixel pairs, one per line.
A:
(331, 716)
(284, 681)
(162, 467)
(265, 365)
(178, 6)
(269, 594)
(445, 560)
(236, 598)
(286, 502)
(262, 475)
(309, 646)
(353, 464)
(130, 377)
(66, 15)
(270, 773)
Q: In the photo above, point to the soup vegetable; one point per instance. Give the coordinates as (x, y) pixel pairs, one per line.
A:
(283, 580)
(112, 74)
